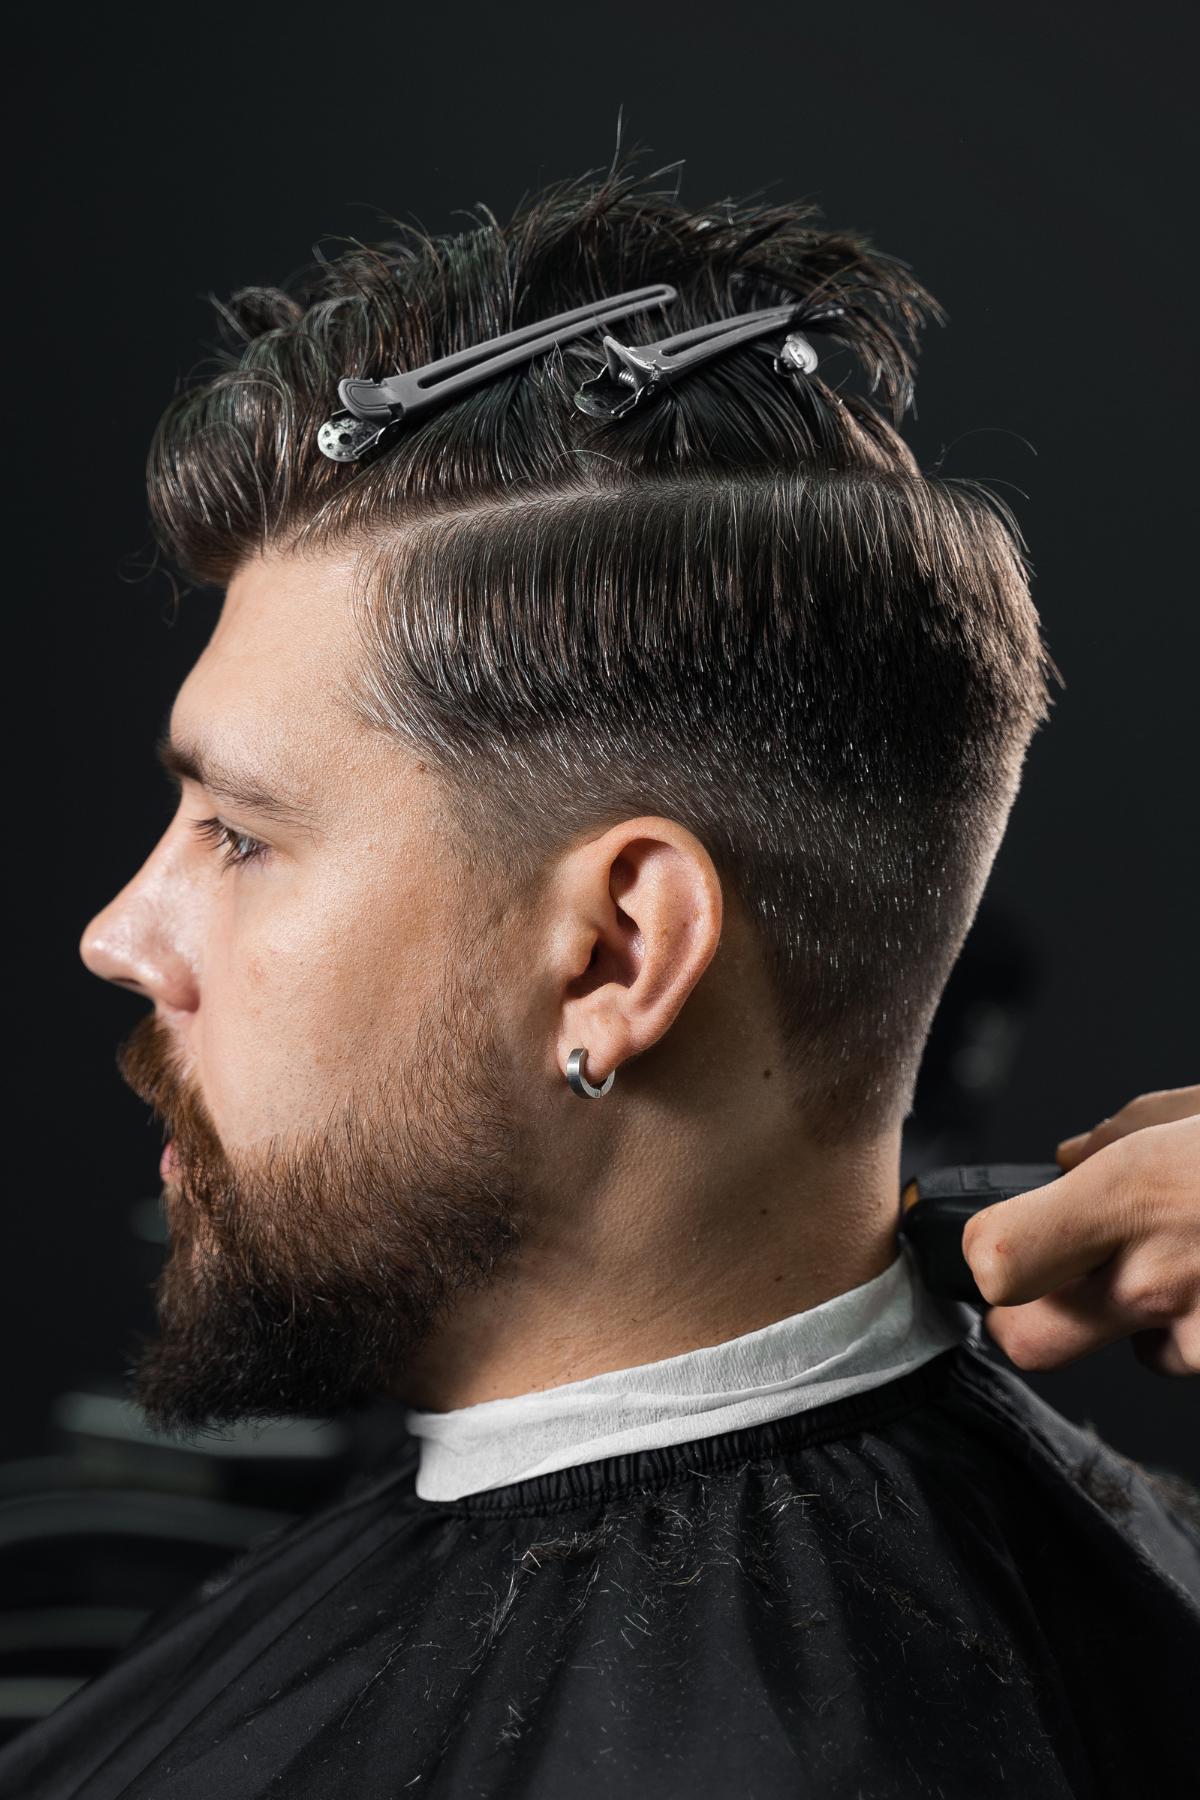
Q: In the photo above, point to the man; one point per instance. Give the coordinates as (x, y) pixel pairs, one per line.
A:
(646, 745)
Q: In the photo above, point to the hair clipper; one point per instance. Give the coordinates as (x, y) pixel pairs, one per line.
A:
(935, 1207)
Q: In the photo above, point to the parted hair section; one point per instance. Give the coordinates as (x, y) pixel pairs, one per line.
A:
(742, 605)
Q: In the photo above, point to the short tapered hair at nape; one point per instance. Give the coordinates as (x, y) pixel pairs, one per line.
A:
(743, 605)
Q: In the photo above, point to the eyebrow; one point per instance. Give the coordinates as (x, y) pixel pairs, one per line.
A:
(183, 761)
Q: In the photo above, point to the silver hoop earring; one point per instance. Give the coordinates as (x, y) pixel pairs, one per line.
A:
(578, 1082)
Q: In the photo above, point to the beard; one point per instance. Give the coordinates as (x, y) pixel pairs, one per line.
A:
(301, 1277)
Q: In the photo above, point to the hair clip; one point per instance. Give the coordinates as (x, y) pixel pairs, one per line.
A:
(373, 407)
(634, 372)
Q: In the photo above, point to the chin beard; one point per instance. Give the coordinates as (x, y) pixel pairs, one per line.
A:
(250, 1331)
(300, 1280)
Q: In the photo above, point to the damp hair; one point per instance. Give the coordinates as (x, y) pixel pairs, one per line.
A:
(743, 605)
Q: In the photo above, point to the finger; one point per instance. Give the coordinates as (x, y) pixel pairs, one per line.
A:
(1094, 1310)
(1155, 1108)
(1074, 1149)
(1159, 1107)
(1060, 1327)
(1035, 1242)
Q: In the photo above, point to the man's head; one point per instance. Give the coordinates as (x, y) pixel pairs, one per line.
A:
(548, 711)
(359, 1032)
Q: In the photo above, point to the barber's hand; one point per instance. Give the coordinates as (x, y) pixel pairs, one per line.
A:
(1110, 1249)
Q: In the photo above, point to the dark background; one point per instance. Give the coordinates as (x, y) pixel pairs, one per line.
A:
(1029, 163)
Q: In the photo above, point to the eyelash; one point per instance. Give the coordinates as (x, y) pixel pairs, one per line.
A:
(229, 842)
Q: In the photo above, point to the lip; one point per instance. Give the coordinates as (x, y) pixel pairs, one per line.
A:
(168, 1166)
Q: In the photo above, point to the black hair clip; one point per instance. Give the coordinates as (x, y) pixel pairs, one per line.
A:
(634, 372)
(374, 407)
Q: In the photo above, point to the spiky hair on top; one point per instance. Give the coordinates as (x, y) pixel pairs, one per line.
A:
(742, 605)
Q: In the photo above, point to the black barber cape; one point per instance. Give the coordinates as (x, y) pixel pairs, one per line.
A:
(939, 1586)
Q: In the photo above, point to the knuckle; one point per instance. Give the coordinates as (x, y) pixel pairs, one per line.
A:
(993, 1278)
(1161, 1294)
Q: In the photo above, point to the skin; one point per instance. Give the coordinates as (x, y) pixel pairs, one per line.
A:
(1110, 1250)
(363, 1021)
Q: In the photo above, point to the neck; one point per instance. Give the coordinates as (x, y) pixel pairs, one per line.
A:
(664, 1257)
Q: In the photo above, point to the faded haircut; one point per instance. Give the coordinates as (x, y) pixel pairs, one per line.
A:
(743, 605)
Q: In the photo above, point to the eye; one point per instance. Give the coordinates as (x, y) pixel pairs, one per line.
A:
(235, 847)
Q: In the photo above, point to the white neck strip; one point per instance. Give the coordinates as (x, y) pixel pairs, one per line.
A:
(860, 1339)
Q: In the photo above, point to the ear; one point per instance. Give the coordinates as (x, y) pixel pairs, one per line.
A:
(638, 915)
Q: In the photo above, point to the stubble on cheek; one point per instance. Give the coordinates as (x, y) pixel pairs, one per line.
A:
(278, 1062)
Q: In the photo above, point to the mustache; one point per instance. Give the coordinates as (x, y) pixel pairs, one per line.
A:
(149, 1063)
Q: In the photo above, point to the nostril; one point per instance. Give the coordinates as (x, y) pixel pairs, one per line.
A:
(107, 957)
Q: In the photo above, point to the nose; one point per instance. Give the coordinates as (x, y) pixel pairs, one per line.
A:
(136, 941)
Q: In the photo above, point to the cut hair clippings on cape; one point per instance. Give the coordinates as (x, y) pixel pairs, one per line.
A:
(632, 374)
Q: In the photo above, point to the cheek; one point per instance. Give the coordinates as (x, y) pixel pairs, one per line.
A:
(306, 989)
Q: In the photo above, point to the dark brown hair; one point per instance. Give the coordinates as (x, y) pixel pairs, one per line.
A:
(743, 605)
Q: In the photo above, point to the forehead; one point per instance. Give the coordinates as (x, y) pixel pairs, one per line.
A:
(272, 682)
(280, 654)
(285, 629)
